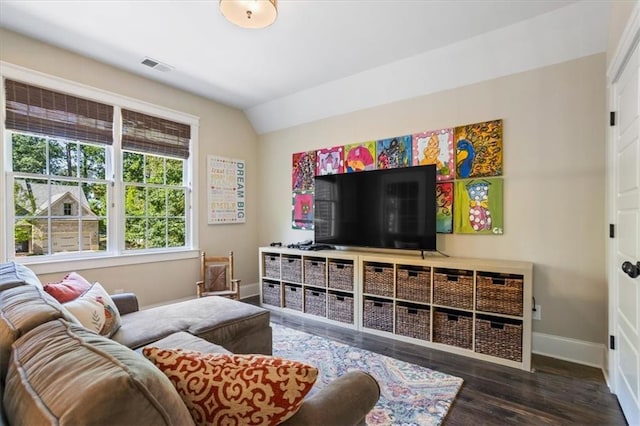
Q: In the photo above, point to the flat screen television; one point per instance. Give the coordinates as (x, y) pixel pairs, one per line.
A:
(389, 208)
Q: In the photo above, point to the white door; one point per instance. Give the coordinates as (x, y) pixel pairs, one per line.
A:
(625, 247)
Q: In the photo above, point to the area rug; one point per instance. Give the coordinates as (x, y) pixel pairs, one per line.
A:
(410, 394)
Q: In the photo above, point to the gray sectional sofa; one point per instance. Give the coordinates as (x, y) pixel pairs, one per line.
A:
(54, 371)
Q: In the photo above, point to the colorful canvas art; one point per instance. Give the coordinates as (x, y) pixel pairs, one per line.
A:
(359, 157)
(303, 171)
(302, 210)
(479, 149)
(435, 147)
(329, 161)
(394, 152)
(478, 206)
(444, 207)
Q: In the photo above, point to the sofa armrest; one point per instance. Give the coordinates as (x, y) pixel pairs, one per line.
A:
(125, 302)
(345, 401)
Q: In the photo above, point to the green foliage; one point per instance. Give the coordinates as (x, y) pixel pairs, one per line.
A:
(29, 154)
(154, 214)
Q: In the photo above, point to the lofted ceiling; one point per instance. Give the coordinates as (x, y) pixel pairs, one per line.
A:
(292, 71)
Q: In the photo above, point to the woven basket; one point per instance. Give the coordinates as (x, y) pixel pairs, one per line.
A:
(292, 269)
(414, 284)
(315, 302)
(378, 279)
(453, 288)
(271, 266)
(452, 329)
(499, 293)
(293, 297)
(378, 314)
(413, 322)
(314, 272)
(340, 307)
(499, 339)
(271, 293)
(341, 275)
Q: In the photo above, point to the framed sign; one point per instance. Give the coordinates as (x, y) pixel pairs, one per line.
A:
(226, 190)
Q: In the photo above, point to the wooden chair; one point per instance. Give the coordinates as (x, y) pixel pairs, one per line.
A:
(216, 277)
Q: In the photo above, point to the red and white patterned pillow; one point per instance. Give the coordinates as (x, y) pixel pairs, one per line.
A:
(223, 389)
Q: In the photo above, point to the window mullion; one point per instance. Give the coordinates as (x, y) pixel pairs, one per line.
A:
(115, 222)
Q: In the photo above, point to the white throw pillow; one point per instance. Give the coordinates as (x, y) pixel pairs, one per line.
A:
(96, 311)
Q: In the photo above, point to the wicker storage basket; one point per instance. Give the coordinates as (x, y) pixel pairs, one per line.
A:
(314, 272)
(453, 329)
(340, 307)
(315, 302)
(378, 314)
(341, 275)
(414, 283)
(378, 279)
(499, 293)
(292, 269)
(413, 322)
(271, 266)
(293, 297)
(453, 288)
(500, 339)
(271, 293)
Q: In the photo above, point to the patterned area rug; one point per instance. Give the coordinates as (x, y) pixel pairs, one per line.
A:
(411, 395)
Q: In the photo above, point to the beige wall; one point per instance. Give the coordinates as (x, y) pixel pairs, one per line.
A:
(224, 131)
(554, 162)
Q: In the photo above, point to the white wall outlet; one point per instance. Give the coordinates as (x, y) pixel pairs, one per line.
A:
(537, 314)
(118, 291)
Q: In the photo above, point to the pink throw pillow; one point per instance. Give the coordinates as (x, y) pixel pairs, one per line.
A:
(71, 287)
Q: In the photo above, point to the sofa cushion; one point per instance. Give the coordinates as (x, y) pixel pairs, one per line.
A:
(13, 274)
(236, 389)
(62, 373)
(22, 309)
(188, 342)
(216, 319)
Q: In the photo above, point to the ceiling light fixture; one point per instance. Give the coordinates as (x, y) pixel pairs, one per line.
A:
(250, 13)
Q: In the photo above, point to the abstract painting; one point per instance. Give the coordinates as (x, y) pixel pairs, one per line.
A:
(479, 149)
(435, 147)
(303, 171)
(359, 157)
(478, 206)
(394, 152)
(329, 161)
(302, 210)
(444, 207)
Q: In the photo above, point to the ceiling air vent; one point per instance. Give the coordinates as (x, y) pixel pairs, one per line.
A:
(156, 65)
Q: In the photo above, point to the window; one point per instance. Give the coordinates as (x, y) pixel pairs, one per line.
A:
(154, 184)
(67, 198)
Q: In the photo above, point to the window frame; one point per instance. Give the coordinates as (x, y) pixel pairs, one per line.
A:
(116, 255)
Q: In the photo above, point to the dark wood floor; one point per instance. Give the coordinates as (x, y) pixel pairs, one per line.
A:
(555, 393)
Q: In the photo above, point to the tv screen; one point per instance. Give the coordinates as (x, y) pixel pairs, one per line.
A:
(390, 208)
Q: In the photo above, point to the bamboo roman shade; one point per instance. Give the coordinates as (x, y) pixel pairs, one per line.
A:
(145, 133)
(45, 112)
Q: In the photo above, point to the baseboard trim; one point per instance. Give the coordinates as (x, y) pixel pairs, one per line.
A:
(168, 302)
(249, 290)
(574, 350)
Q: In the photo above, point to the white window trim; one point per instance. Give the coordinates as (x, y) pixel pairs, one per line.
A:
(62, 263)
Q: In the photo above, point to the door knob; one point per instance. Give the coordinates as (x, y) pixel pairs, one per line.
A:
(630, 269)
